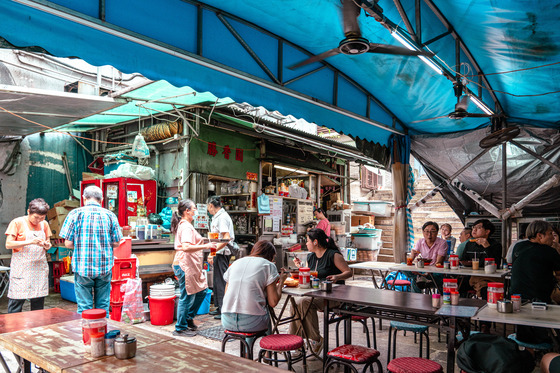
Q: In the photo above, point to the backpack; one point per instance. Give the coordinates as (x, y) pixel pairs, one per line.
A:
(487, 353)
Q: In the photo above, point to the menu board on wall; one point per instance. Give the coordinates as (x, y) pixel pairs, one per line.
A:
(273, 222)
(305, 212)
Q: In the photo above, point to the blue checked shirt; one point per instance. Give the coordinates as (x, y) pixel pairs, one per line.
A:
(92, 229)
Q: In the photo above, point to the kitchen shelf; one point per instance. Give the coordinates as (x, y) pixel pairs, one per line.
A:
(235, 195)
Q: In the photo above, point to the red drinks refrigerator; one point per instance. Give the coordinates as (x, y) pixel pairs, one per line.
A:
(124, 195)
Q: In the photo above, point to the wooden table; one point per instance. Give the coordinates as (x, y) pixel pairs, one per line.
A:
(549, 318)
(175, 356)
(58, 348)
(460, 272)
(391, 305)
(14, 322)
(383, 268)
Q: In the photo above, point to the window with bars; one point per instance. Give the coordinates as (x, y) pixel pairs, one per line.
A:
(370, 180)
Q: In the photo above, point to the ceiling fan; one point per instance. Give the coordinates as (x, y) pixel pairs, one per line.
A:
(460, 111)
(354, 43)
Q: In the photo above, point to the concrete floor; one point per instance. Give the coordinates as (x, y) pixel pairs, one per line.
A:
(405, 344)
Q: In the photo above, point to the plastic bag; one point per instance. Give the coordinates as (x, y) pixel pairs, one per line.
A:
(133, 171)
(155, 219)
(133, 308)
(140, 148)
(263, 202)
(166, 215)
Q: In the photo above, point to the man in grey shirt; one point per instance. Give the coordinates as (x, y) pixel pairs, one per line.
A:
(222, 224)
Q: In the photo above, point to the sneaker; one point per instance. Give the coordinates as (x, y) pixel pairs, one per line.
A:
(218, 316)
(215, 312)
(316, 346)
(184, 333)
(191, 325)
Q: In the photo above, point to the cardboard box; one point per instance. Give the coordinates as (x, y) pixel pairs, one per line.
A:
(70, 204)
(361, 220)
(57, 253)
(56, 225)
(56, 211)
(91, 176)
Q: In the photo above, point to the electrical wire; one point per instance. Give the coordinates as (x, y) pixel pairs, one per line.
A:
(63, 133)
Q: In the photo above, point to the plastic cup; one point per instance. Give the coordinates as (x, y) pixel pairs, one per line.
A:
(475, 264)
(409, 259)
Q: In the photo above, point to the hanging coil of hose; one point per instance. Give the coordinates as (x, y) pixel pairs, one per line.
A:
(162, 131)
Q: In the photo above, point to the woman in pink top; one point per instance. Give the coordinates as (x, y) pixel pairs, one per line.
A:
(187, 266)
(324, 224)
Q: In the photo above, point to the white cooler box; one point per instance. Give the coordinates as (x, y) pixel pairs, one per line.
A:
(370, 240)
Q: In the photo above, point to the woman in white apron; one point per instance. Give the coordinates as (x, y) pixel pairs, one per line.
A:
(29, 237)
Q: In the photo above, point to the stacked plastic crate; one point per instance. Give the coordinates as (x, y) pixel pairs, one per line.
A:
(123, 269)
(58, 271)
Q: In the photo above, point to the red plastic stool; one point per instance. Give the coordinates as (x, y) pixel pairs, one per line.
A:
(348, 355)
(284, 344)
(245, 348)
(413, 365)
(392, 283)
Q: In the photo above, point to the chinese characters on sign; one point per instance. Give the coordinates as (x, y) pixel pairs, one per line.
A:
(213, 151)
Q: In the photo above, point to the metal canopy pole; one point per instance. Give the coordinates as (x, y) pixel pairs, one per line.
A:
(506, 221)
(434, 191)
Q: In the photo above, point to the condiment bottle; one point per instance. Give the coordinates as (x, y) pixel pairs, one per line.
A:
(304, 277)
(516, 300)
(110, 342)
(436, 299)
(93, 322)
(454, 298)
(495, 293)
(97, 344)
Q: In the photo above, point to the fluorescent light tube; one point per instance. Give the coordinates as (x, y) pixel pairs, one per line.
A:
(407, 44)
(403, 41)
(481, 105)
(291, 169)
(432, 64)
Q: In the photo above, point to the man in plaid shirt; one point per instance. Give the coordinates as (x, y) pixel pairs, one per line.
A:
(92, 232)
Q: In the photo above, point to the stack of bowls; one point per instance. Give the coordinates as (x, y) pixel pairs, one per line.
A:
(162, 291)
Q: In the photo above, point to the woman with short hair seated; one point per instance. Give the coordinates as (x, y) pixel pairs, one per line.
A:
(326, 259)
(252, 286)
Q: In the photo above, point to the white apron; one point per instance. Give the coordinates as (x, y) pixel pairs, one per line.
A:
(29, 271)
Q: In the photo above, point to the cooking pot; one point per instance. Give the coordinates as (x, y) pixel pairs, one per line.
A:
(125, 347)
(505, 306)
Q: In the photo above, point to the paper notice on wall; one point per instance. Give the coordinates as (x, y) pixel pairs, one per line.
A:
(276, 224)
(201, 217)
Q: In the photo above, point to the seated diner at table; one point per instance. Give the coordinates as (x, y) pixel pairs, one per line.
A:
(446, 235)
(326, 259)
(433, 250)
(481, 247)
(431, 246)
(464, 237)
(252, 284)
(534, 274)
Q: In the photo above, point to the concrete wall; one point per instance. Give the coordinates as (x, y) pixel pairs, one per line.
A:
(14, 189)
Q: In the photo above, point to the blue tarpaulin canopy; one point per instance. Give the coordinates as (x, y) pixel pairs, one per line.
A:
(502, 53)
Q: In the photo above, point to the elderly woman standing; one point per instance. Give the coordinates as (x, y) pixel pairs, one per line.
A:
(29, 237)
(187, 266)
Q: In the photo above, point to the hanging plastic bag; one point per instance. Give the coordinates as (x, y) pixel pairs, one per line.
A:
(263, 202)
(140, 148)
(133, 307)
